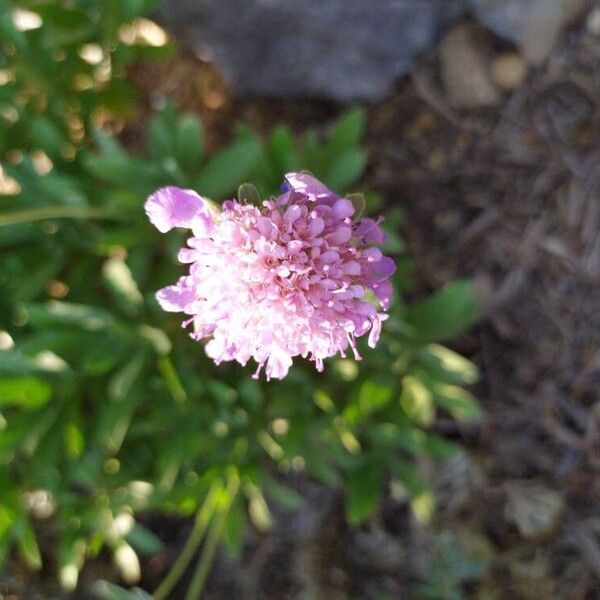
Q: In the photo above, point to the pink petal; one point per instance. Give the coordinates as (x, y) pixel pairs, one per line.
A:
(307, 184)
(341, 235)
(384, 291)
(342, 208)
(382, 269)
(172, 207)
(316, 226)
(369, 231)
(279, 363)
(174, 298)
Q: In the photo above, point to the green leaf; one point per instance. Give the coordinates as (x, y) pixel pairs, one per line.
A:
(444, 315)
(122, 382)
(74, 440)
(363, 492)
(26, 392)
(161, 134)
(15, 363)
(283, 151)
(118, 171)
(115, 417)
(189, 144)
(346, 169)
(37, 278)
(47, 135)
(234, 528)
(143, 540)
(460, 403)
(417, 401)
(7, 519)
(108, 145)
(132, 8)
(447, 365)
(228, 169)
(109, 591)
(121, 283)
(28, 546)
(410, 477)
(438, 447)
(65, 314)
(346, 133)
(372, 397)
(283, 494)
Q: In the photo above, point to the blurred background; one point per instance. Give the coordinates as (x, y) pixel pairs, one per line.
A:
(468, 470)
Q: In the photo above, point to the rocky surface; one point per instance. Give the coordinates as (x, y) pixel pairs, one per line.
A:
(346, 50)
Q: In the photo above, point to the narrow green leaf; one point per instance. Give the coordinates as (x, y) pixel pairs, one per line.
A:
(448, 365)
(346, 132)
(345, 170)
(143, 540)
(283, 494)
(109, 591)
(28, 546)
(121, 283)
(460, 403)
(363, 492)
(444, 315)
(189, 144)
(283, 151)
(65, 314)
(234, 528)
(227, 169)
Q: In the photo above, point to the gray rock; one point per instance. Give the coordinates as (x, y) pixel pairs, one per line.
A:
(346, 50)
(533, 25)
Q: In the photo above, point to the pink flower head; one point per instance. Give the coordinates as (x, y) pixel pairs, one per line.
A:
(287, 279)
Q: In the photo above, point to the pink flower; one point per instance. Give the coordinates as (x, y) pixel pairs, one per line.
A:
(287, 279)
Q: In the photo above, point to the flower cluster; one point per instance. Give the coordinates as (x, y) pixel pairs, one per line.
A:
(287, 279)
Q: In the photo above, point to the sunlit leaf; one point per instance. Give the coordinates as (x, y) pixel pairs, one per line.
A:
(25, 392)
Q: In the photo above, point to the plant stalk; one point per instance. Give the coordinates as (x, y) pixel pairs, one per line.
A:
(212, 540)
(43, 213)
(203, 517)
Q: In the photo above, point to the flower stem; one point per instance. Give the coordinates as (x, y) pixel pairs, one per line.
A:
(212, 539)
(203, 517)
(43, 213)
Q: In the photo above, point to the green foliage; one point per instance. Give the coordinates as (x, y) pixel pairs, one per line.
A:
(338, 160)
(106, 406)
(441, 317)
